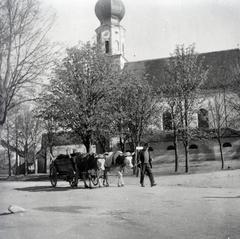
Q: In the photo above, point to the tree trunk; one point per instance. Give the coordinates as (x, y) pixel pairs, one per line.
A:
(35, 161)
(221, 152)
(175, 143)
(121, 144)
(135, 159)
(16, 164)
(87, 144)
(186, 158)
(186, 136)
(176, 154)
(9, 161)
(35, 165)
(1, 128)
(26, 160)
(16, 145)
(8, 151)
(3, 110)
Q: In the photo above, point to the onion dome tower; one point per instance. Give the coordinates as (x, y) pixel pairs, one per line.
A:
(110, 34)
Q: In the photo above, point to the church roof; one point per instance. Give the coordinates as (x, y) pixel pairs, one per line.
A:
(220, 65)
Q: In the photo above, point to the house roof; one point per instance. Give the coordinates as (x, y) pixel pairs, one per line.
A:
(61, 138)
(219, 63)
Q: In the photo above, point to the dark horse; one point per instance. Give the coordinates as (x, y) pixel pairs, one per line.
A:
(87, 164)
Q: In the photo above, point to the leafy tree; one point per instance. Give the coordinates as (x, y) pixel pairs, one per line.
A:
(24, 52)
(187, 74)
(78, 92)
(133, 107)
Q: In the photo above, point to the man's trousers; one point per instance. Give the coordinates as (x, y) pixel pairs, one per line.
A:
(145, 168)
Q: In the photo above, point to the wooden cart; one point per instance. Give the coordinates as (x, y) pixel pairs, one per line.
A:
(68, 169)
(64, 169)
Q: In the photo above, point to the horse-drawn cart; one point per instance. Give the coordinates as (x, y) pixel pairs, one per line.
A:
(75, 168)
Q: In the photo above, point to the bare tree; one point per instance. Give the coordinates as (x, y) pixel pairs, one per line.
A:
(29, 137)
(223, 116)
(24, 52)
(188, 74)
(22, 136)
(217, 111)
(234, 88)
(172, 100)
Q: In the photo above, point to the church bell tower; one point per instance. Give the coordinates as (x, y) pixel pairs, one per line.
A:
(110, 34)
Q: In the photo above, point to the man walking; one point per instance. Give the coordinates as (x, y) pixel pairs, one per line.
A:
(146, 165)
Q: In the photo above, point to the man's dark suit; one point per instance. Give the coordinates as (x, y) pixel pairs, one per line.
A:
(145, 168)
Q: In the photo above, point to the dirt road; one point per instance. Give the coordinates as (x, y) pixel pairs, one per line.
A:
(200, 206)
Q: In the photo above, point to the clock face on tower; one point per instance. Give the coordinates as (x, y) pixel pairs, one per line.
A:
(105, 34)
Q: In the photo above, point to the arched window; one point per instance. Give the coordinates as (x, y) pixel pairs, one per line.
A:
(170, 147)
(167, 121)
(107, 49)
(227, 144)
(203, 121)
(193, 146)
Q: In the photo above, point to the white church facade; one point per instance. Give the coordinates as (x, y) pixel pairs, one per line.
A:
(111, 38)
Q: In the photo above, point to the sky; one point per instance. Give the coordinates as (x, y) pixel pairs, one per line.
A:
(153, 27)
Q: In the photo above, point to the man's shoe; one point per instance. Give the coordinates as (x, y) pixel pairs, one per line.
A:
(142, 185)
(154, 184)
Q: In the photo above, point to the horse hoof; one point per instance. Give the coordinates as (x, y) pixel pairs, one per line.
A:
(122, 185)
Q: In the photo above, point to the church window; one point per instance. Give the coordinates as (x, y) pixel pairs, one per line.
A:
(167, 121)
(203, 121)
(107, 47)
(193, 146)
(170, 147)
(227, 144)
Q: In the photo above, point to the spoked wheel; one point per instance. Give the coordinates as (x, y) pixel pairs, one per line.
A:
(95, 177)
(53, 176)
(74, 182)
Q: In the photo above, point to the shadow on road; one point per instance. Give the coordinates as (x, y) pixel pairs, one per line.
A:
(226, 197)
(5, 214)
(48, 189)
(67, 209)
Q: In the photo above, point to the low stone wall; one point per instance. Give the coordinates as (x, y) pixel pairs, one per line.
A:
(201, 150)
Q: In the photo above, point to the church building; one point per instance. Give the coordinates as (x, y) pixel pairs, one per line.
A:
(111, 38)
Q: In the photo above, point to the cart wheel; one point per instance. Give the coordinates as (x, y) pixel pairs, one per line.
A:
(96, 177)
(95, 180)
(74, 182)
(53, 176)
